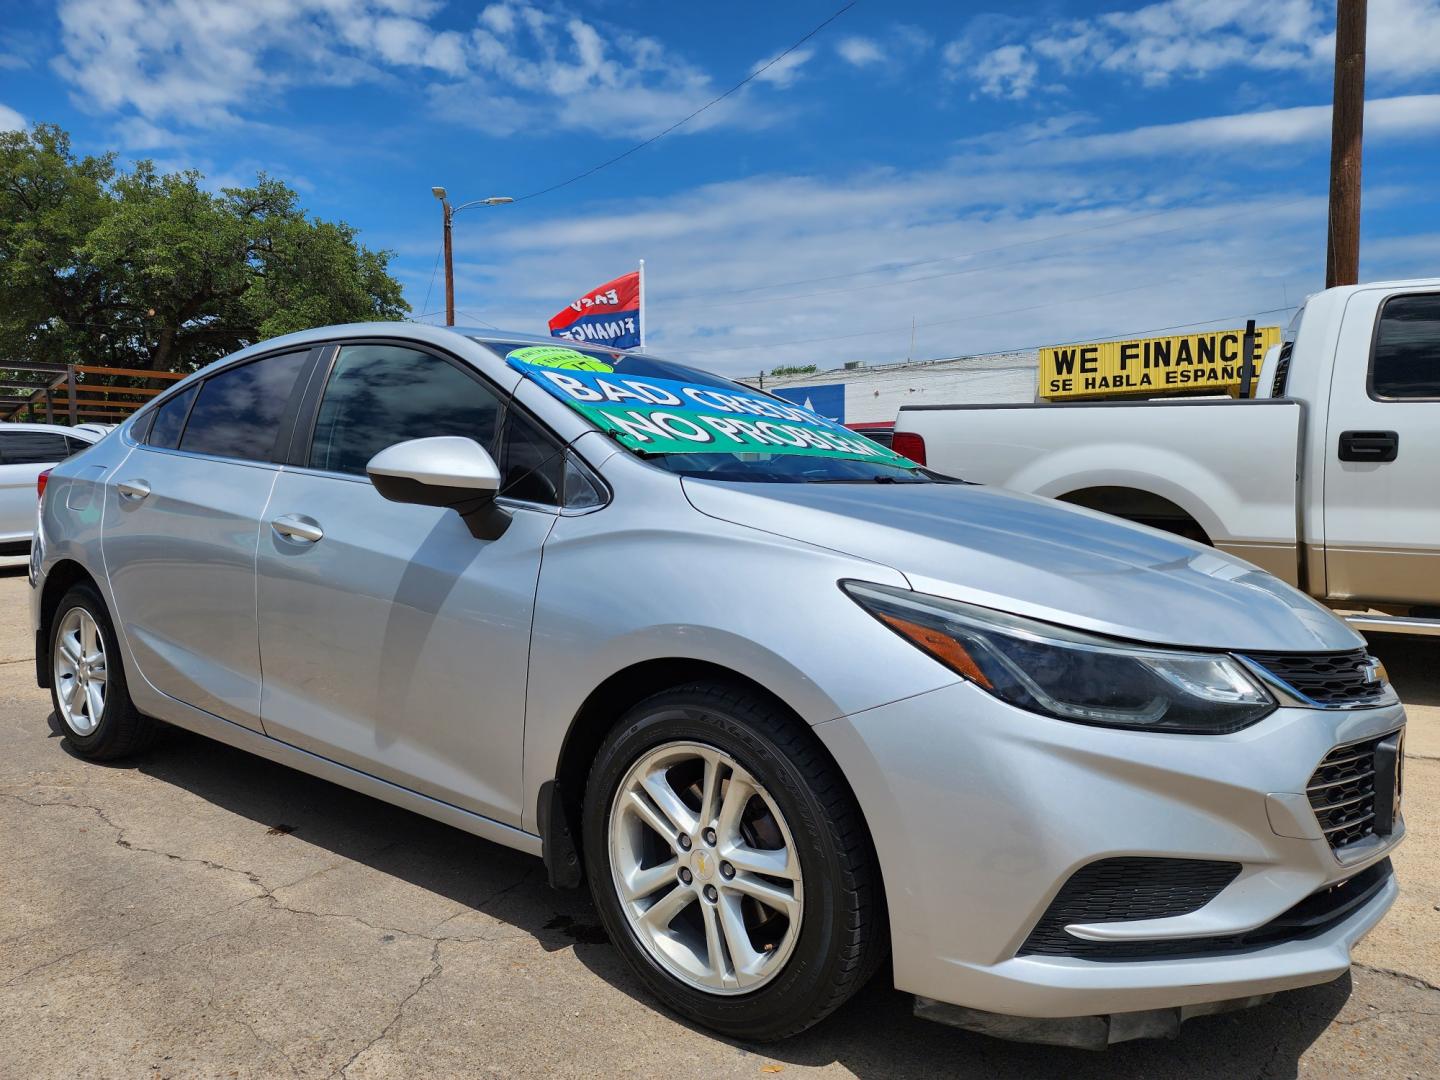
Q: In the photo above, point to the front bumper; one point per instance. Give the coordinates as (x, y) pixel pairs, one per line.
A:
(980, 812)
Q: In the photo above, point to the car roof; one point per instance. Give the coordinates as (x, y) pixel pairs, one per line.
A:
(59, 429)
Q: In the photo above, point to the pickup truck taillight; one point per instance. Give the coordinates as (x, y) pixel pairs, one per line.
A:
(910, 445)
(40, 482)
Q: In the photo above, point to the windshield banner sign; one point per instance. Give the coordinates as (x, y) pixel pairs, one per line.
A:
(666, 416)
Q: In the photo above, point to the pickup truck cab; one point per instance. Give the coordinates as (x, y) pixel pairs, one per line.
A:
(1329, 478)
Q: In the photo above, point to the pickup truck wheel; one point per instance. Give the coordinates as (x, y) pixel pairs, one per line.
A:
(729, 863)
(87, 681)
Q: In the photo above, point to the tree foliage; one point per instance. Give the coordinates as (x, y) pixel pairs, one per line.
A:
(153, 270)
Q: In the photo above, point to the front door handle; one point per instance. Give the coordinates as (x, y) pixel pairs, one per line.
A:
(1369, 445)
(133, 489)
(294, 527)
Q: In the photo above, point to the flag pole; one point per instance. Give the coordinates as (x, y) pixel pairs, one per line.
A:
(642, 303)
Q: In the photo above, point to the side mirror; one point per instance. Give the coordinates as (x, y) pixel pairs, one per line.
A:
(446, 470)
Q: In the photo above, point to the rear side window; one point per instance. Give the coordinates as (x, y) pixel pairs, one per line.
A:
(32, 447)
(237, 414)
(170, 419)
(1406, 363)
(380, 395)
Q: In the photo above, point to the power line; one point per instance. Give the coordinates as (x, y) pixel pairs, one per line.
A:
(431, 286)
(685, 120)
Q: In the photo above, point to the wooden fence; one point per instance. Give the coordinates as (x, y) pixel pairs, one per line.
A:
(77, 393)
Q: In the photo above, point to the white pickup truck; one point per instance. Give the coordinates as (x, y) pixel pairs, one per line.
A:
(1329, 478)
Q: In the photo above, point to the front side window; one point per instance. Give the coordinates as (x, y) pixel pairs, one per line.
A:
(380, 395)
(32, 447)
(1406, 363)
(237, 414)
(532, 462)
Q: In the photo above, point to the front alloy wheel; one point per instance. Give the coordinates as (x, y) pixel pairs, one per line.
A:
(706, 868)
(729, 862)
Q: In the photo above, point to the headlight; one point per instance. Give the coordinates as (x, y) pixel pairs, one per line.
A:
(1071, 675)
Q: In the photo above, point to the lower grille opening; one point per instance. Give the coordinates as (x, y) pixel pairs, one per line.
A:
(1125, 890)
(1309, 918)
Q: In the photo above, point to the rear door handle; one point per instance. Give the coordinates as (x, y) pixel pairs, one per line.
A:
(1369, 445)
(294, 527)
(133, 489)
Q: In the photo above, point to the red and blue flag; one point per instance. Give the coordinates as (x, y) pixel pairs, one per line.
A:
(609, 315)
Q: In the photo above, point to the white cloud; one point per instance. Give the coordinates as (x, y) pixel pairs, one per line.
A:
(10, 120)
(1413, 116)
(785, 71)
(1006, 72)
(860, 51)
(1185, 39)
(209, 62)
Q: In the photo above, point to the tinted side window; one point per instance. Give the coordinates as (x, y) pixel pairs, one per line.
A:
(379, 395)
(170, 419)
(32, 447)
(238, 411)
(532, 463)
(1407, 348)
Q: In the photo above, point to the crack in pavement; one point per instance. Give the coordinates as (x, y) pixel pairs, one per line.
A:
(1415, 980)
(121, 841)
(425, 980)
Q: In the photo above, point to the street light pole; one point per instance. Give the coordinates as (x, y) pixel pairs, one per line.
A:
(440, 193)
(1342, 261)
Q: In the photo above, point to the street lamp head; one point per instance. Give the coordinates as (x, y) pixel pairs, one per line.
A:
(498, 200)
(438, 192)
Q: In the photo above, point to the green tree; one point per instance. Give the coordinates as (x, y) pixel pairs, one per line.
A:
(152, 270)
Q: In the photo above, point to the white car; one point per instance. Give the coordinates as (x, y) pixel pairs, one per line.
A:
(27, 450)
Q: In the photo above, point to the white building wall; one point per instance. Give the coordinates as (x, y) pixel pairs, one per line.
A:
(875, 394)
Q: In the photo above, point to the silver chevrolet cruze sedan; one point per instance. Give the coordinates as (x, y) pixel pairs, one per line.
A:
(789, 703)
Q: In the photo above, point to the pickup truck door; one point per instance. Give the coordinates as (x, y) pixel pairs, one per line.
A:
(1382, 451)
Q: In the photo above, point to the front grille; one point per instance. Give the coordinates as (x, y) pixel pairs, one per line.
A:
(1311, 917)
(1125, 890)
(1330, 679)
(1342, 793)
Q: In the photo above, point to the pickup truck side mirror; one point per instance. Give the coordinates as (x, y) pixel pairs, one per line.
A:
(445, 470)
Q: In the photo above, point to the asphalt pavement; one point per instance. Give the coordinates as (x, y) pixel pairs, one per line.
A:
(200, 912)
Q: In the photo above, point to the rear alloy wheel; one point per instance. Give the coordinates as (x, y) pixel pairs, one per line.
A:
(80, 671)
(730, 864)
(87, 680)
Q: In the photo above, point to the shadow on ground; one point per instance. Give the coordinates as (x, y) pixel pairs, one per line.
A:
(873, 1035)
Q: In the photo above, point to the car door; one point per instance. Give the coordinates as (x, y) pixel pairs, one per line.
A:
(1382, 467)
(393, 640)
(179, 532)
(24, 452)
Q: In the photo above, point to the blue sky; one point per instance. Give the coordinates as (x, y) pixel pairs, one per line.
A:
(1000, 176)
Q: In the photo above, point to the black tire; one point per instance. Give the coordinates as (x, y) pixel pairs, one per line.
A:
(843, 933)
(123, 730)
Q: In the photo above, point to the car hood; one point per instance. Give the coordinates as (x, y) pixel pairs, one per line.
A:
(1040, 558)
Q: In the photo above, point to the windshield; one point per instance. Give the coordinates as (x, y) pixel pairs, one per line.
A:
(692, 423)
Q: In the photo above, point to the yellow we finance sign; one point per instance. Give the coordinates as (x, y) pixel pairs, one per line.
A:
(1211, 360)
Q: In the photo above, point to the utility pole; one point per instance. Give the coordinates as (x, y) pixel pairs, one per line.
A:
(449, 266)
(439, 193)
(1342, 262)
